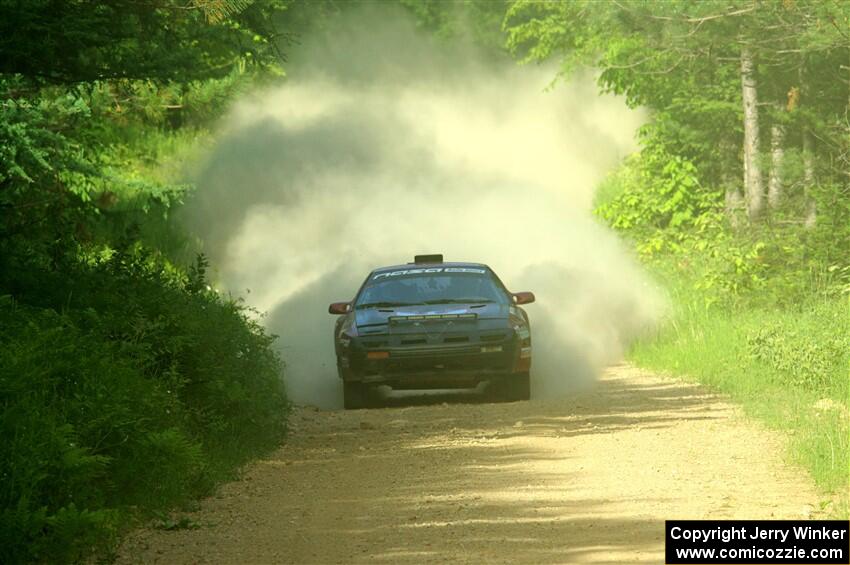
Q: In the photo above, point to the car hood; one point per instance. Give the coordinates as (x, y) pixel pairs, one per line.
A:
(381, 316)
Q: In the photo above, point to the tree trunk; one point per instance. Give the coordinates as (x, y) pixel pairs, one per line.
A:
(809, 177)
(734, 199)
(777, 155)
(808, 155)
(734, 205)
(753, 189)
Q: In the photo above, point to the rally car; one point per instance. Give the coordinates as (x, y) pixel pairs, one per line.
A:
(433, 325)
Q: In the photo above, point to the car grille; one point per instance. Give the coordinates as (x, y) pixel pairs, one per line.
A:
(430, 341)
(444, 357)
(436, 352)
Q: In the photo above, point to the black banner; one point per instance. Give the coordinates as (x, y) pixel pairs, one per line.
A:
(813, 542)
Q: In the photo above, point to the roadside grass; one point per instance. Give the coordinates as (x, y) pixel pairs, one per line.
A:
(789, 367)
(761, 314)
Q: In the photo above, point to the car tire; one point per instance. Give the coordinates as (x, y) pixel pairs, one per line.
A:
(355, 396)
(514, 388)
(521, 386)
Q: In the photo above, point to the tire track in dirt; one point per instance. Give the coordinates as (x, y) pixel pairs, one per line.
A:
(588, 479)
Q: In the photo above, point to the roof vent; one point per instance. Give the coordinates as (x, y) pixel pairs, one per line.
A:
(418, 259)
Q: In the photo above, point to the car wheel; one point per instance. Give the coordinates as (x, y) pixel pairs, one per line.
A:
(521, 386)
(355, 396)
(514, 388)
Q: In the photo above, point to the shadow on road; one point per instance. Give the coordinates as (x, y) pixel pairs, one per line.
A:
(472, 482)
(443, 479)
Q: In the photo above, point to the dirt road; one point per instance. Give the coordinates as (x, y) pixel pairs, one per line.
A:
(588, 479)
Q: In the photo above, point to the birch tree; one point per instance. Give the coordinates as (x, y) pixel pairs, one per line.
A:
(753, 188)
(777, 155)
(809, 177)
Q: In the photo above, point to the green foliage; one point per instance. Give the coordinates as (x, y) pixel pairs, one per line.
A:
(662, 192)
(681, 60)
(676, 200)
(76, 41)
(657, 200)
(127, 384)
(142, 392)
(81, 166)
(798, 358)
(182, 523)
(476, 20)
(45, 177)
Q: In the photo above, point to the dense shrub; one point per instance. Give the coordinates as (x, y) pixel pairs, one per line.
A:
(812, 357)
(657, 191)
(657, 201)
(125, 388)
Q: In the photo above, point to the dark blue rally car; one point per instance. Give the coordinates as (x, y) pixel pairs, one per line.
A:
(433, 325)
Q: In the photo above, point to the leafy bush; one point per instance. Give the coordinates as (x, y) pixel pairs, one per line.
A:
(657, 200)
(799, 359)
(124, 385)
(660, 191)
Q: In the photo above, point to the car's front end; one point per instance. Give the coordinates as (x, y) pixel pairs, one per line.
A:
(427, 347)
(447, 342)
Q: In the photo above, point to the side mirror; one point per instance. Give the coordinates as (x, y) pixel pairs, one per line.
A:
(523, 297)
(339, 308)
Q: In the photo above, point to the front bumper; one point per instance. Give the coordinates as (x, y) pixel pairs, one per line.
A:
(432, 362)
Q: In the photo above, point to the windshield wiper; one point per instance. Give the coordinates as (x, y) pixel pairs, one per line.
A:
(384, 304)
(459, 301)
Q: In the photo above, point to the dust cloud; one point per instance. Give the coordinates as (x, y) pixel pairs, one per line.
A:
(383, 143)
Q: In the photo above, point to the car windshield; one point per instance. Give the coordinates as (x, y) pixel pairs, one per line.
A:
(431, 288)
